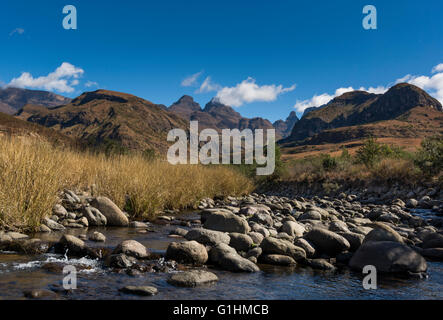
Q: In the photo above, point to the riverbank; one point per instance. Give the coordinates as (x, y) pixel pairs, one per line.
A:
(34, 174)
(309, 246)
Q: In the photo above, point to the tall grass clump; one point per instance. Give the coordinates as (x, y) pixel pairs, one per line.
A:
(33, 172)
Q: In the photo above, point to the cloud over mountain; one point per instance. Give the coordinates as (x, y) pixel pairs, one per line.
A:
(63, 79)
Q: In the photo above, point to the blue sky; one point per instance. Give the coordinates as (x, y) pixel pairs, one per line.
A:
(148, 48)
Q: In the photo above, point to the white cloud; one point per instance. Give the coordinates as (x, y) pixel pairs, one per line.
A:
(57, 80)
(248, 91)
(17, 31)
(438, 68)
(191, 80)
(89, 84)
(322, 99)
(208, 86)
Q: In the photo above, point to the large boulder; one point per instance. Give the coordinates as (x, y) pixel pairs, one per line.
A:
(228, 259)
(433, 240)
(207, 237)
(388, 257)
(192, 278)
(272, 245)
(354, 239)
(113, 214)
(327, 241)
(226, 222)
(187, 252)
(262, 218)
(71, 245)
(240, 241)
(383, 232)
(132, 248)
(292, 228)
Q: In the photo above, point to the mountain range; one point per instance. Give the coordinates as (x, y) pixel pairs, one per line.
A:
(106, 117)
(13, 99)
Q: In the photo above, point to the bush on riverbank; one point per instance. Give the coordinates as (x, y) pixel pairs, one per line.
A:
(373, 163)
(33, 172)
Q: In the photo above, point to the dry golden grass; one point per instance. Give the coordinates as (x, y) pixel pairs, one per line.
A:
(385, 171)
(33, 172)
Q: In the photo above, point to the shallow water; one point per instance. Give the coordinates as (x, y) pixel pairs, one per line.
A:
(20, 272)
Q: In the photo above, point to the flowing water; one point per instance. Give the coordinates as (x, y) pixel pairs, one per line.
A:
(21, 272)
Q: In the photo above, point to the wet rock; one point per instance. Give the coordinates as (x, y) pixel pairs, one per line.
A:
(412, 203)
(138, 224)
(97, 237)
(354, 239)
(260, 229)
(305, 245)
(388, 257)
(74, 245)
(327, 241)
(255, 252)
(227, 258)
(320, 264)
(43, 228)
(262, 218)
(433, 253)
(17, 235)
(30, 246)
(338, 226)
(113, 214)
(140, 290)
(311, 215)
(293, 229)
(226, 222)
(240, 241)
(132, 248)
(120, 261)
(94, 216)
(383, 232)
(40, 294)
(190, 252)
(278, 246)
(256, 237)
(51, 224)
(208, 237)
(433, 240)
(179, 232)
(192, 278)
(59, 211)
(277, 259)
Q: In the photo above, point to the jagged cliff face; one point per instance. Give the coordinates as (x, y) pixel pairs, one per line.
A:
(13, 99)
(216, 115)
(102, 116)
(359, 108)
(284, 128)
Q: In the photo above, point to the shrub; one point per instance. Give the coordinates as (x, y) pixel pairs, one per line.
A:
(329, 163)
(429, 158)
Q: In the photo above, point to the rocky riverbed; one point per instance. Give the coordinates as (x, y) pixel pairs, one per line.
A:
(253, 247)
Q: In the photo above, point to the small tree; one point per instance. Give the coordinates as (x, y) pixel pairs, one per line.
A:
(429, 158)
(369, 153)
